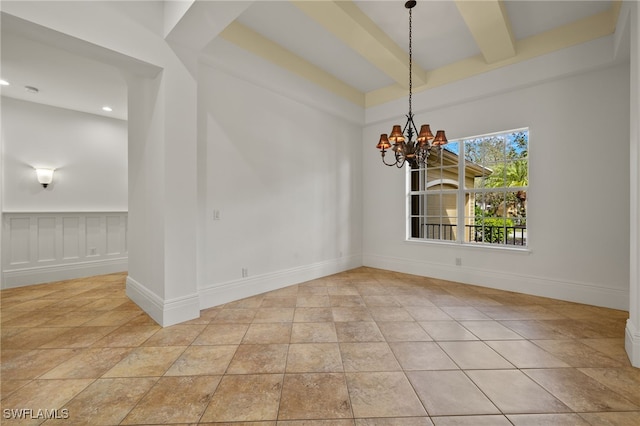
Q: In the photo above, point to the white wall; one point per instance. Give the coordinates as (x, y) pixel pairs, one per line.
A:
(89, 153)
(578, 198)
(632, 334)
(284, 176)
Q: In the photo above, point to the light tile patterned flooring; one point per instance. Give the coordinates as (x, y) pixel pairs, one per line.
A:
(364, 347)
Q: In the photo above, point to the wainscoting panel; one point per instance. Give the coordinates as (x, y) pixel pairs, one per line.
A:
(46, 228)
(44, 247)
(19, 240)
(70, 237)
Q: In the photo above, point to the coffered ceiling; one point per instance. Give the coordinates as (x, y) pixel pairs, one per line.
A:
(355, 49)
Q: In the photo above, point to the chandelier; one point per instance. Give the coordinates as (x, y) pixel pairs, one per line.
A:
(406, 148)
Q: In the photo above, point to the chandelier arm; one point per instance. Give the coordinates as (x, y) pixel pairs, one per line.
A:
(400, 159)
(384, 162)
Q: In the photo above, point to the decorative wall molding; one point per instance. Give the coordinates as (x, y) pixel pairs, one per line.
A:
(229, 291)
(538, 286)
(41, 247)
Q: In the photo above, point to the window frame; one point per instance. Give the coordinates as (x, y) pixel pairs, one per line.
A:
(461, 192)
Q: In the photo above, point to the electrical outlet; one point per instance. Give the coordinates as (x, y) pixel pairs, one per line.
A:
(93, 251)
(216, 215)
(245, 272)
(458, 261)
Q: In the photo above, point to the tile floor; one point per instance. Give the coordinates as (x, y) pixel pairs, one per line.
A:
(364, 347)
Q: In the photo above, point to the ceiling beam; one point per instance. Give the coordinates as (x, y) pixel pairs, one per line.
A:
(345, 20)
(251, 41)
(581, 31)
(489, 24)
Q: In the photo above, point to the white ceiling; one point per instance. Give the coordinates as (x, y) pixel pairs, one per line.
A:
(442, 36)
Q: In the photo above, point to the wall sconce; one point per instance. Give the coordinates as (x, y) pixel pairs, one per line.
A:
(45, 176)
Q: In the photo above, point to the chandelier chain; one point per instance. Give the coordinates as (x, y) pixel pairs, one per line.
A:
(410, 62)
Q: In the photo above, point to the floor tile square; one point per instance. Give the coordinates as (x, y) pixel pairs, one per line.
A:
(146, 361)
(203, 360)
(380, 301)
(616, 419)
(313, 315)
(625, 381)
(579, 391)
(78, 337)
(441, 391)
(524, 354)
(474, 355)
(409, 300)
(577, 354)
(314, 358)
(395, 421)
(266, 315)
(368, 356)
(107, 401)
(268, 333)
(313, 332)
(88, 364)
(234, 316)
(560, 419)
(358, 332)
(611, 347)
(313, 301)
(422, 356)
(490, 330)
(446, 330)
(245, 398)
(128, 336)
(485, 420)
(522, 395)
(383, 394)
(346, 301)
(264, 358)
(174, 400)
(400, 331)
(462, 313)
(32, 363)
(221, 334)
(45, 394)
(279, 302)
(176, 335)
(351, 314)
(427, 313)
(389, 313)
(314, 396)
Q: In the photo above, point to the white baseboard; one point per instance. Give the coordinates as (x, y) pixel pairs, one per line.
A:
(229, 291)
(44, 274)
(164, 312)
(632, 343)
(527, 284)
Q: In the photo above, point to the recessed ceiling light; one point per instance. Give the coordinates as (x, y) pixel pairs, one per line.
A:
(4, 83)
(107, 108)
(31, 89)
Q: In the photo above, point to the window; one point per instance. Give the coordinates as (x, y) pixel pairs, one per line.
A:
(481, 200)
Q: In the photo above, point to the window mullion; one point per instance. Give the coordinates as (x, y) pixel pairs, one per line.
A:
(460, 221)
